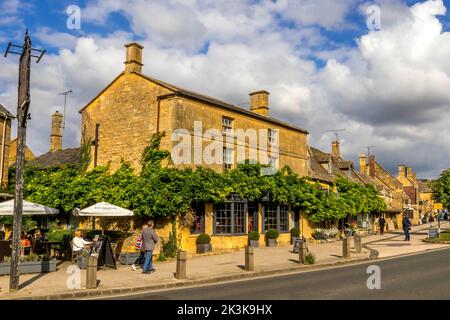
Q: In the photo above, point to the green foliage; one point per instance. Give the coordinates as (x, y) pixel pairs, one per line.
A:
(203, 239)
(161, 190)
(27, 223)
(310, 258)
(441, 188)
(254, 235)
(170, 247)
(272, 234)
(162, 257)
(295, 232)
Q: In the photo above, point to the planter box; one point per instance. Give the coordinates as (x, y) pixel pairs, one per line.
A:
(254, 243)
(203, 248)
(128, 258)
(272, 242)
(30, 267)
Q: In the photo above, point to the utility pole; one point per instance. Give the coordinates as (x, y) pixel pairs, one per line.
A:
(23, 106)
(65, 93)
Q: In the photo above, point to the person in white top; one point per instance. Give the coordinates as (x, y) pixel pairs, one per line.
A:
(78, 243)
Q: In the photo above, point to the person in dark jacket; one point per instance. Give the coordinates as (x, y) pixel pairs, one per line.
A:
(149, 238)
(382, 223)
(406, 227)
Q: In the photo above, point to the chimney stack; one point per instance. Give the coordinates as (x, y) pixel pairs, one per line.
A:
(259, 102)
(335, 149)
(409, 172)
(401, 170)
(363, 163)
(56, 132)
(133, 61)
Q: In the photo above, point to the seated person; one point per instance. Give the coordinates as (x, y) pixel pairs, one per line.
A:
(38, 235)
(78, 243)
(24, 242)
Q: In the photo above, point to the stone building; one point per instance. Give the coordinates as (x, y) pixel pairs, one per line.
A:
(5, 138)
(390, 188)
(410, 185)
(134, 106)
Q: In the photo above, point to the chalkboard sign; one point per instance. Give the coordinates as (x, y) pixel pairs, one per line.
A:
(296, 247)
(432, 233)
(106, 257)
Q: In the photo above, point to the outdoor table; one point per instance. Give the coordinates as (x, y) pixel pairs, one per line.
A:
(49, 244)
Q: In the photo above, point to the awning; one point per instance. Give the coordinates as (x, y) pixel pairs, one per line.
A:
(29, 209)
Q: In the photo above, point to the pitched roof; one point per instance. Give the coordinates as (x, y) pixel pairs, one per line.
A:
(57, 158)
(5, 111)
(178, 91)
(425, 186)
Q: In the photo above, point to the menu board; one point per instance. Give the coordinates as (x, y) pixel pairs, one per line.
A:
(102, 247)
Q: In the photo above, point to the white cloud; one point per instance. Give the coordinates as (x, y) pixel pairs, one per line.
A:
(391, 91)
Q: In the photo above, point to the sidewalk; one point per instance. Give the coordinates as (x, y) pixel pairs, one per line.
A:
(204, 269)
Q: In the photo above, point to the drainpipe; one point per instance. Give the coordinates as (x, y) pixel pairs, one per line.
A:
(2, 162)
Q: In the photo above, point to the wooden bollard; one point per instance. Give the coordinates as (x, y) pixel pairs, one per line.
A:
(249, 258)
(181, 265)
(302, 250)
(346, 248)
(91, 272)
(358, 246)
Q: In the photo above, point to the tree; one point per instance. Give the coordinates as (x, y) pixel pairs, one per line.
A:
(441, 188)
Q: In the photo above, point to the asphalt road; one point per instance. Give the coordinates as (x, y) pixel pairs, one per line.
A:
(422, 276)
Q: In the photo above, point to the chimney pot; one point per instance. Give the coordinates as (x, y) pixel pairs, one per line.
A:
(259, 102)
(401, 170)
(56, 132)
(133, 62)
(363, 163)
(336, 149)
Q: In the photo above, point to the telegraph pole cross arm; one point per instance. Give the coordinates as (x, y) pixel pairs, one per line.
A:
(23, 106)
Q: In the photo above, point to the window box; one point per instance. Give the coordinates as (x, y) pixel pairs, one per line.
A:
(30, 267)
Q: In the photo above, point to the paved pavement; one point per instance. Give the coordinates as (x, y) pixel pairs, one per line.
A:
(423, 276)
(208, 268)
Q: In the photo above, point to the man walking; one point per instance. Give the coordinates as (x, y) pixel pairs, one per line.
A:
(382, 223)
(149, 238)
(406, 227)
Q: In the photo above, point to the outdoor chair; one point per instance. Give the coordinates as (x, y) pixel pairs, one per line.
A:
(5, 249)
(73, 254)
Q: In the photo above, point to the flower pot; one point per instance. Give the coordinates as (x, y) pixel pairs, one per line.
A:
(82, 262)
(293, 239)
(203, 248)
(30, 267)
(272, 242)
(254, 243)
(128, 258)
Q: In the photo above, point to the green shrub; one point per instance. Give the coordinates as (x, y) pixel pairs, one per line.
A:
(272, 234)
(295, 232)
(203, 239)
(310, 259)
(162, 257)
(254, 235)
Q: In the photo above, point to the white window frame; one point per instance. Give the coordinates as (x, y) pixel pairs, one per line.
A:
(227, 125)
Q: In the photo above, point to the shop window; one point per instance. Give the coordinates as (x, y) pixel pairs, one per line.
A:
(276, 217)
(229, 217)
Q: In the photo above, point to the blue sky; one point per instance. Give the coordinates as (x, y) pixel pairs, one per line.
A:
(323, 67)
